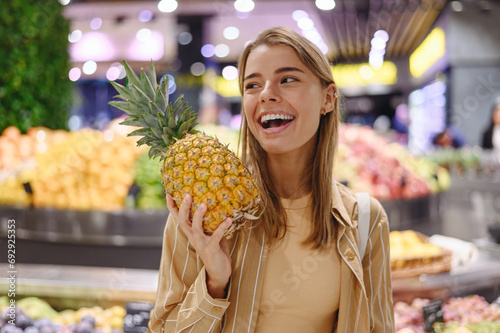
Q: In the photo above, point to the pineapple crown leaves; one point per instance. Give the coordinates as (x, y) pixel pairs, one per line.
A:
(147, 106)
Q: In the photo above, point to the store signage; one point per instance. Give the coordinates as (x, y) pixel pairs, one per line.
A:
(362, 75)
(428, 53)
(433, 313)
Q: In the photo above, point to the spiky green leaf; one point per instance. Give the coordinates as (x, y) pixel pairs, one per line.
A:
(131, 76)
(152, 75)
(122, 91)
(146, 86)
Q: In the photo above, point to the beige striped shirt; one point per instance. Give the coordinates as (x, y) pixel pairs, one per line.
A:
(184, 305)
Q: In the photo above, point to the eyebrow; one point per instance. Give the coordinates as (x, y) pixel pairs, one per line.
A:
(278, 71)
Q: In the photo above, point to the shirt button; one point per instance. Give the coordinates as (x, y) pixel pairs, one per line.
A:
(350, 256)
(216, 308)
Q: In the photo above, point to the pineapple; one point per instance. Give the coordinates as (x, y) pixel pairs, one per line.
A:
(191, 162)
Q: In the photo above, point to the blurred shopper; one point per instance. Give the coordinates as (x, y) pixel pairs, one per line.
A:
(491, 136)
(449, 137)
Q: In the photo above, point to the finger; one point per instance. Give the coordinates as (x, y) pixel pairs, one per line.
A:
(221, 230)
(185, 208)
(198, 220)
(183, 216)
(171, 205)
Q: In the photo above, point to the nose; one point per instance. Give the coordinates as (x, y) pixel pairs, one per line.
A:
(269, 93)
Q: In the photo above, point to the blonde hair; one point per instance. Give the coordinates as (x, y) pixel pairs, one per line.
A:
(320, 172)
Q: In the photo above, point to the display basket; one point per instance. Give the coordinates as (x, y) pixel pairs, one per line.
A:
(416, 266)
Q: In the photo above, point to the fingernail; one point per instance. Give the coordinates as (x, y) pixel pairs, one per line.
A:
(186, 198)
(202, 207)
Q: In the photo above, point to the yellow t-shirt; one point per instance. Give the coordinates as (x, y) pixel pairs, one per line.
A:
(301, 286)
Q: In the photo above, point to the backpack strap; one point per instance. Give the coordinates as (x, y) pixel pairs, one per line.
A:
(363, 221)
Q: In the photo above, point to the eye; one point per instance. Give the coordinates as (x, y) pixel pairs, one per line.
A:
(288, 79)
(251, 85)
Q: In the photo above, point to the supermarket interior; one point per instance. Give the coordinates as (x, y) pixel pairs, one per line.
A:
(82, 206)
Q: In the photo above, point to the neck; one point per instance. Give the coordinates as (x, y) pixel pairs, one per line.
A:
(289, 175)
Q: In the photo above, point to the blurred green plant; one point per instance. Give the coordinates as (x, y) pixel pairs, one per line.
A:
(34, 62)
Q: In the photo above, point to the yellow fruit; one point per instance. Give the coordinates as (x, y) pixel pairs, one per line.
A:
(201, 166)
(193, 163)
(118, 311)
(116, 322)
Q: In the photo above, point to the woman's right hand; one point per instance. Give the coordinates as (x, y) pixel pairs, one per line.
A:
(213, 249)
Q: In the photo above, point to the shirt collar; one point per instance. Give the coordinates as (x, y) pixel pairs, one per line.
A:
(338, 208)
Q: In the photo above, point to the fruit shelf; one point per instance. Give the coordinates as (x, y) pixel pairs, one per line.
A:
(130, 238)
(79, 286)
(481, 277)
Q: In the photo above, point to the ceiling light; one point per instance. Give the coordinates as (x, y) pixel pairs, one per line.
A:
(89, 67)
(197, 69)
(74, 74)
(145, 15)
(112, 73)
(376, 62)
(325, 4)
(167, 6)
(208, 50)
(185, 38)
(221, 50)
(64, 2)
(95, 23)
(75, 36)
(378, 43)
(305, 23)
(244, 5)
(231, 33)
(298, 14)
(382, 34)
(309, 31)
(230, 72)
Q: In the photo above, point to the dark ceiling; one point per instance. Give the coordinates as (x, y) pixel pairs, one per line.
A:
(350, 26)
(352, 23)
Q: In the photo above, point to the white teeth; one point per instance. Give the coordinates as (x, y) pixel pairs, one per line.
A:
(268, 117)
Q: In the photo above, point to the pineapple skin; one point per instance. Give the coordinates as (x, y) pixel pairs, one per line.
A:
(212, 174)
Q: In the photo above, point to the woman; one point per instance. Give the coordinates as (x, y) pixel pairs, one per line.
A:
(298, 268)
(491, 136)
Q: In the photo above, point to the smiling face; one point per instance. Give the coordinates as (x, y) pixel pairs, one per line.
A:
(283, 100)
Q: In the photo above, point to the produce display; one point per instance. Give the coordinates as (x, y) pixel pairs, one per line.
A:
(33, 315)
(147, 178)
(412, 255)
(82, 170)
(388, 171)
(89, 169)
(461, 315)
(407, 244)
(192, 162)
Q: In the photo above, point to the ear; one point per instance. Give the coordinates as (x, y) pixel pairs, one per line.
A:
(329, 99)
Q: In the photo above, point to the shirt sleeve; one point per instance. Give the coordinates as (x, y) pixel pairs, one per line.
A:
(182, 300)
(377, 271)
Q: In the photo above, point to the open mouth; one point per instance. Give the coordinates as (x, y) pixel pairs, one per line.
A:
(275, 120)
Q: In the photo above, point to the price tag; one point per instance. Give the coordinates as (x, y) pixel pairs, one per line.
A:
(27, 188)
(433, 313)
